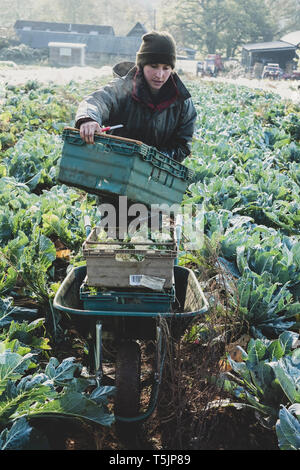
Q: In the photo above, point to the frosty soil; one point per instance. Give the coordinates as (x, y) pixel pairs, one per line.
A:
(21, 74)
(61, 76)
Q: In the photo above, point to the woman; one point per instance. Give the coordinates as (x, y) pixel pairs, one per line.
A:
(150, 101)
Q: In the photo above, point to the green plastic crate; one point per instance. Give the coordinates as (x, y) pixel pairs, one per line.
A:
(128, 300)
(123, 167)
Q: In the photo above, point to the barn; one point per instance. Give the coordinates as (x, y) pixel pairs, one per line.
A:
(282, 52)
(102, 46)
(279, 52)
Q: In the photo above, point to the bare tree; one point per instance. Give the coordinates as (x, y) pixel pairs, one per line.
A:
(219, 25)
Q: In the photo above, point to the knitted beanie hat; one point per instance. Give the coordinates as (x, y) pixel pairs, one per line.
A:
(157, 48)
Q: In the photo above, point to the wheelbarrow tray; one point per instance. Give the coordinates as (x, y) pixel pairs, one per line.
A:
(129, 324)
(190, 300)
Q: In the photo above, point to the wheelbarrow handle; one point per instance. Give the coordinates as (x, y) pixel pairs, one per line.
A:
(178, 231)
(178, 227)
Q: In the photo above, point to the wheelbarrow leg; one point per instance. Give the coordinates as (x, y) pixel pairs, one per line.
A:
(157, 374)
(98, 352)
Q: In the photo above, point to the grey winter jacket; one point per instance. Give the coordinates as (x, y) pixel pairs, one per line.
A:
(166, 124)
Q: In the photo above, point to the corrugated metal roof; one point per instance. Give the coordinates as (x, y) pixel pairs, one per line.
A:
(99, 43)
(119, 45)
(269, 46)
(292, 38)
(63, 27)
(138, 30)
(66, 44)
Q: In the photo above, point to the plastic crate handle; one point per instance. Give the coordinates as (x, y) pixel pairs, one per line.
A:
(73, 138)
(123, 149)
(158, 159)
(109, 146)
(151, 157)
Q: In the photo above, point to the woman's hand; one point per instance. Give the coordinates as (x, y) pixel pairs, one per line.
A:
(87, 131)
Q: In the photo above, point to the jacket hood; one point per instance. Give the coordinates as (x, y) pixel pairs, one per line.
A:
(127, 70)
(122, 68)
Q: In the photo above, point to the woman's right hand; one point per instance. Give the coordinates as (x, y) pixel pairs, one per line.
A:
(87, 131)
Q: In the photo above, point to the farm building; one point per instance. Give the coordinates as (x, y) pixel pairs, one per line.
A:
(137, 31)
(282, 52)
(38, 26)
(102, 45)
(279, 52)
(292, 38)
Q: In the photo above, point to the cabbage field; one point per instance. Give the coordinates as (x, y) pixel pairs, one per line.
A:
(246, 158)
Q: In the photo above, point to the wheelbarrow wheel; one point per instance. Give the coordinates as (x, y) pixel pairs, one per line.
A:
(127, 380)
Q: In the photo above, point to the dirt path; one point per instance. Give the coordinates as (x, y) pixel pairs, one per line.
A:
(21, 74)
(287, 89)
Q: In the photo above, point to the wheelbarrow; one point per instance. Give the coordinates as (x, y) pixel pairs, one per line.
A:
(129, 327)
(145, 175)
